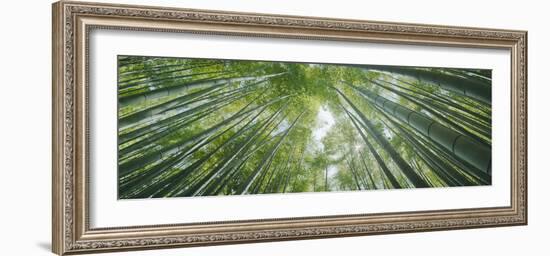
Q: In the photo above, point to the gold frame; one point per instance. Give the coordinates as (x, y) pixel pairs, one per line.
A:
(72, 22)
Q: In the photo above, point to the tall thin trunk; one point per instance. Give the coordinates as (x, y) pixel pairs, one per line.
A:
(221, 166)
(367, 170)
(326, 178)
(185, 87)
(354, 174)
(439, 100)
(434, 112)
(271, 153)
(415, 179)
(468, 87)
(157, 72)
(465, 148)
(393, 181)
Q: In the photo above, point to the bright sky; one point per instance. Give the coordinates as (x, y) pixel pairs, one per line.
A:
(325, 121)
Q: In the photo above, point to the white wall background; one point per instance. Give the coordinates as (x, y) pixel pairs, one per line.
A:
(25, 149)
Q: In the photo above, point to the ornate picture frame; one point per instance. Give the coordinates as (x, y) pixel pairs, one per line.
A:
(72, 23)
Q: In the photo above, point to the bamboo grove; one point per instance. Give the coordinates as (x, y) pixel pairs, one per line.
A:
(204, 127)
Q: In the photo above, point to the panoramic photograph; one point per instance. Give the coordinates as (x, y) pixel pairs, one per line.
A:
(191, 127)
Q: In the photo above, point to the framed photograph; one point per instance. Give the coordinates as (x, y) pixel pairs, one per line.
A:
(178, 127)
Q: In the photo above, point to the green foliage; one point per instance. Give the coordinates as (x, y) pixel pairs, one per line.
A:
(201, 127)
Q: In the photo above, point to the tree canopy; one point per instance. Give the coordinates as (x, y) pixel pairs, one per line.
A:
(203, 127)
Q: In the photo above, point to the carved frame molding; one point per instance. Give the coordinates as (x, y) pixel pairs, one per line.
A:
(72, 22)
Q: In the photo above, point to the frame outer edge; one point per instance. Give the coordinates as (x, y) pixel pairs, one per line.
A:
(525, 108)
(57, 246)
(65, 239)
